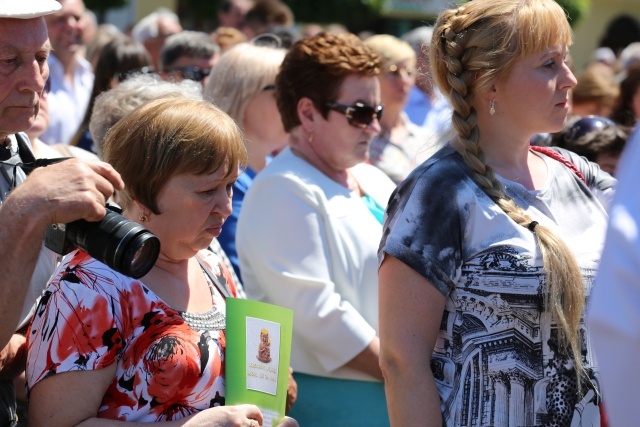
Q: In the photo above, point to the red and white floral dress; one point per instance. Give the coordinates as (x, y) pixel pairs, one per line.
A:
(91, 317)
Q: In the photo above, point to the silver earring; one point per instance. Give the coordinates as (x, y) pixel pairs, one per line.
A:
(492, 107)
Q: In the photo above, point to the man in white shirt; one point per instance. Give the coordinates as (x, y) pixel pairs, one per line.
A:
(71, 74)
(614, 314)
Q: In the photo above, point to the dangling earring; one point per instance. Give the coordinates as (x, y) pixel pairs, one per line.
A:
(142, 218)
(492, 107)
(310, 137)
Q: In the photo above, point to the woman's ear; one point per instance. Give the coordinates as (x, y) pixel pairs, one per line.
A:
(307, 113)
(142, 209)
(491, 93)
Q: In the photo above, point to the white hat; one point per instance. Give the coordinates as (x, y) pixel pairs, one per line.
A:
(27, 9)
(630, 56)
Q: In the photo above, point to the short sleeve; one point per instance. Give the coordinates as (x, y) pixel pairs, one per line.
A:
(76, 324)
(424, 222)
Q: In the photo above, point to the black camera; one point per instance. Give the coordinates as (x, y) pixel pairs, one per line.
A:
(123, 245)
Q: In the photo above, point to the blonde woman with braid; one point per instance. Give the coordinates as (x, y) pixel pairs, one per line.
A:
(490, 247)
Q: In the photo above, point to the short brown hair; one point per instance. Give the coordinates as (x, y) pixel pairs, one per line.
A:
(167, 137)
(315, 68)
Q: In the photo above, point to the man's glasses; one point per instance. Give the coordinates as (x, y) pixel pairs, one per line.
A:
(358, 114)
(126, 74)
(193, 73)
(586, 125)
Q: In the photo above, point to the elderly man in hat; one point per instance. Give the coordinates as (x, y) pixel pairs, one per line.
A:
(58, 193)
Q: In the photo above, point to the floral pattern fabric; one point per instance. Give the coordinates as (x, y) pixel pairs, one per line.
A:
(91, 317)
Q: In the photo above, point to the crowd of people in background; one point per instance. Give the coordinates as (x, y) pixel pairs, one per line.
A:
(432, 206)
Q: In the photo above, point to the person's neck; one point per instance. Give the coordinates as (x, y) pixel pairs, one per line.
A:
(304, 150)
(171, 269)
(508, 155)
(391, 118)
(502, 141)
(257, 153)
(36, 145)
(68, 61)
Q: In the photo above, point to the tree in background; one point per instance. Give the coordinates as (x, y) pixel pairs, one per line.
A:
(356, 15)
(100, 7)
(576, 9)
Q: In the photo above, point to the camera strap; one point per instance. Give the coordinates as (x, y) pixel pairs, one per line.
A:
(26, 153)
(221, 287)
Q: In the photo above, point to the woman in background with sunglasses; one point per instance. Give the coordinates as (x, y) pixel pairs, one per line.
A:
(310, 226)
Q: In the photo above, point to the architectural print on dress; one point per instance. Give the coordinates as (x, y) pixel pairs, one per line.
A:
(504, 349)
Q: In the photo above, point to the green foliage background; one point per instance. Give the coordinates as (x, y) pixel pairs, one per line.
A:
(100, 7)
(576, 9)
(356, 15)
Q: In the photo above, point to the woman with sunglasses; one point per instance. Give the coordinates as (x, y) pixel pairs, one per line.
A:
(310, 226)
(491, 245)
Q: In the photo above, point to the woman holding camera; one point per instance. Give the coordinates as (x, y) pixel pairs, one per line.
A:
(148, 350)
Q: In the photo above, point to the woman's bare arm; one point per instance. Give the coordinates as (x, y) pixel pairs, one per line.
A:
(411, 310)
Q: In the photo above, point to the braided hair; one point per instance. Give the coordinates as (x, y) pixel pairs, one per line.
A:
(474, 46)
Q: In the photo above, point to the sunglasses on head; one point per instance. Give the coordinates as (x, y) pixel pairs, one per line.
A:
(358, 114)
(126, 74)
(193, 73)
(586, 125)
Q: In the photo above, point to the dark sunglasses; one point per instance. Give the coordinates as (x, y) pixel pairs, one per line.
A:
(193, 73)
(358, 114)
(126, 74)
(586, 125)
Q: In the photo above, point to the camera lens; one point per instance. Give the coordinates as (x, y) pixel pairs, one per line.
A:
(141, 254)
(123, 245)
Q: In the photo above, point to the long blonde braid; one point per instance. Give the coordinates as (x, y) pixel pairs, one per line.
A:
(467, 56)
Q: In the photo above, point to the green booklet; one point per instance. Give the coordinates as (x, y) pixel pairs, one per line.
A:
(257, 356)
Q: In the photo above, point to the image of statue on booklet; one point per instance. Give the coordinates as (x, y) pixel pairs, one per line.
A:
(258, 355)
